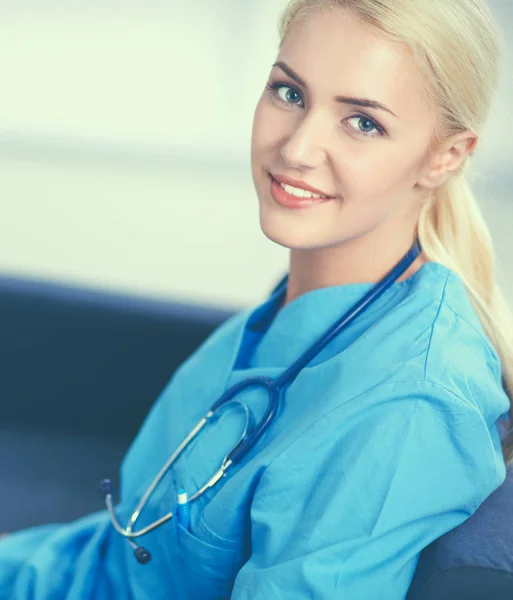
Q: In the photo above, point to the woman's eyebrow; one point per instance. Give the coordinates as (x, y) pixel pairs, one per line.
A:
(365, 102)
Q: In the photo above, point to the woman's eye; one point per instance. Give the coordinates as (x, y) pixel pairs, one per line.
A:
(369, 124)
(286, 94)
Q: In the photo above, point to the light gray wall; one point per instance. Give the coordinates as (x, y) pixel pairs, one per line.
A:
(125, 139)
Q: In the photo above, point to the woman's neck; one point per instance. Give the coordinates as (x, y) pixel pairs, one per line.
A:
(314, 269)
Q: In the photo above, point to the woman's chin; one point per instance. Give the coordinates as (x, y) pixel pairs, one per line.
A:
(285, 236)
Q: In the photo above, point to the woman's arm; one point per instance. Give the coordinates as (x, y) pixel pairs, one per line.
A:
(57, 561)
(346, 510)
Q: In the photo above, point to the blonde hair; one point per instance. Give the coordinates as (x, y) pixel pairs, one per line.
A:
(457, 46)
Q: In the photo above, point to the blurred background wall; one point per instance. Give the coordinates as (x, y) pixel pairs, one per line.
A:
(125, 146)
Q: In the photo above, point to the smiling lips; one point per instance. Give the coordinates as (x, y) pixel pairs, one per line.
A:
(295, 200)
(301, 185)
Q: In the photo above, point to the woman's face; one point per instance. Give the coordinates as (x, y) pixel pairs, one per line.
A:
(367, 159)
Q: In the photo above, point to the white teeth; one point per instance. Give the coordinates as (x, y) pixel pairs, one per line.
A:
(298, 192)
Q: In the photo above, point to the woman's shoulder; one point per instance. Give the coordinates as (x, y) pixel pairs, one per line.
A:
(445, 340)
(424, 331)
(433, 315)
(460, 356)
(456, 302)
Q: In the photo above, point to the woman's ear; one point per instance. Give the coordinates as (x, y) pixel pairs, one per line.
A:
(448, 159)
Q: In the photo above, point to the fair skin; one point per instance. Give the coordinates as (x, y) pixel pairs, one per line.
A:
(379, 184)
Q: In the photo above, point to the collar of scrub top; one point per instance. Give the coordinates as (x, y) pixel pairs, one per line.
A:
(263, 316)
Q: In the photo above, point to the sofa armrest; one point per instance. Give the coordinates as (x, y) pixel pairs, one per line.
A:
(90, 362)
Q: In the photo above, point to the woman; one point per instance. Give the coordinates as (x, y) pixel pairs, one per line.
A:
(388, 438)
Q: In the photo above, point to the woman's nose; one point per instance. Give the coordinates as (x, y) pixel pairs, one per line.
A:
(305, 147)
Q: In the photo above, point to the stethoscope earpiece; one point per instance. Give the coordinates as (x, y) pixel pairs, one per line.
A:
(142, 555)
(106, 487)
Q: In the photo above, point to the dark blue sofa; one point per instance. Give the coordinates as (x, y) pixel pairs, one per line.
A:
(80, 370)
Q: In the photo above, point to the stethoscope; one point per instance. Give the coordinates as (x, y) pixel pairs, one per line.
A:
(248, 439)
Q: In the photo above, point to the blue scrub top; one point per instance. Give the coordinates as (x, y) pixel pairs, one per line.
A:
(386, 441)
